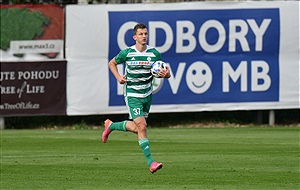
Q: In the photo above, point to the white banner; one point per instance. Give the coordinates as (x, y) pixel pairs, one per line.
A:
(36, 46)
(223, 56)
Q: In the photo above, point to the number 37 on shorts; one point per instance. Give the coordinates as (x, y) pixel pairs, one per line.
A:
(139, 106)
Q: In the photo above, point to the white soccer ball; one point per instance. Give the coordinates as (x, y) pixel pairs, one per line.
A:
(156, 66)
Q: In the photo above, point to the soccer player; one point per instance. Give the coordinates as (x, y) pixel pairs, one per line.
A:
(137, 90)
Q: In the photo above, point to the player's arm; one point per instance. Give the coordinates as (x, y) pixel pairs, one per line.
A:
(113, 68)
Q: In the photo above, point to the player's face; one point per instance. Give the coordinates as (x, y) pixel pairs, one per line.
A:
(141, 36)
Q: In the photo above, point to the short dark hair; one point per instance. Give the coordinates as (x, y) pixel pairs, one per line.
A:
(138, 26)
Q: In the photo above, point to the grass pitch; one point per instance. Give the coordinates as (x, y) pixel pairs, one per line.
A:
(206, 158)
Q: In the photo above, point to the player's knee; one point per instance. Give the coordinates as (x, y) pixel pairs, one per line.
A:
(131, 126)
(135, 130)
(142, 127)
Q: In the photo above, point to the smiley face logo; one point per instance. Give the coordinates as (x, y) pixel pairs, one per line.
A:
(199, 77)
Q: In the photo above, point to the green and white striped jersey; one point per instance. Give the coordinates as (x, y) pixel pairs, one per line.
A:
(138, 66)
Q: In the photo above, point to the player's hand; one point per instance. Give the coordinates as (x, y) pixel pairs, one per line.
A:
(164, 73)
(122, 79)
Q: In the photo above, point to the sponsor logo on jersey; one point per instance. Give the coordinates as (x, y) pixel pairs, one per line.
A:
(138, 63)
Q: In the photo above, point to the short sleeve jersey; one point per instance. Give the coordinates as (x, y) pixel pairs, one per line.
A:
(138, 66)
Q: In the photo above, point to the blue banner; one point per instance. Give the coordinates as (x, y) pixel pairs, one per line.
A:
(216, 56)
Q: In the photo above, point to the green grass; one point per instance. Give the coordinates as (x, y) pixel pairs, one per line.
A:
(203, 158)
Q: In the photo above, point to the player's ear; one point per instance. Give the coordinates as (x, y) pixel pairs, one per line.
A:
(134, 37)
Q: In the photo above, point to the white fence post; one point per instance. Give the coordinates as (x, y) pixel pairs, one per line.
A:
(271, 117)
(2, 123)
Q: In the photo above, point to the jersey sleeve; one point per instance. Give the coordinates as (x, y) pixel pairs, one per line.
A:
(121, 56)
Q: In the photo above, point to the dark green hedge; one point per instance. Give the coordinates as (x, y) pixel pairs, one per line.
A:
(283, 117)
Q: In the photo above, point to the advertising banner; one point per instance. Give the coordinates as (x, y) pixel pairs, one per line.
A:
(33, 88)
(221, 55)
(239, 57)
(32, 32)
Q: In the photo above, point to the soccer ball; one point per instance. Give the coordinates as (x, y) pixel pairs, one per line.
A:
(156, 66)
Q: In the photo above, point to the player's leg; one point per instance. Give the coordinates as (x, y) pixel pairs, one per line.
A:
(123, 126)
(136, 113)
(110, 126)
(142, 138)
(142, 134)
(131, 126)
(145, 145)
(141, 124)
